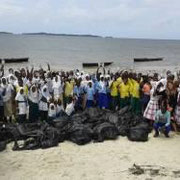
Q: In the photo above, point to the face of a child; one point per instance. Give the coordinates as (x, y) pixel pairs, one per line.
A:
(33, 89)
(45, 90)
(170, 86)
(21, 91)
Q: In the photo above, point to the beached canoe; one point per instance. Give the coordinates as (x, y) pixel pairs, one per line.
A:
(96, 64)
(147, 59)
(14, 60)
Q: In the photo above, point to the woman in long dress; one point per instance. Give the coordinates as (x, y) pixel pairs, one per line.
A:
(33, 99)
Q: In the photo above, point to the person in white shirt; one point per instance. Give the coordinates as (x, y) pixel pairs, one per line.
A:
(7, 99)
(56, 88)
(70, 107)
(21, 100)
(43, 103)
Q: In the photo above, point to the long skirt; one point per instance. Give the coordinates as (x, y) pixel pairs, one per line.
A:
(44, 115)
(89, 103)
(21, 118)
(33, 112)
(151, 109)
(8, 108)
(102, 100)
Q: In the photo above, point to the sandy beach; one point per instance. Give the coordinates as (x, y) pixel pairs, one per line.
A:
(107, 160)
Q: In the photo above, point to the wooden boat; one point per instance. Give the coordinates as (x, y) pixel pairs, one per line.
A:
(96, 64)
(14, 60)
(147, 59)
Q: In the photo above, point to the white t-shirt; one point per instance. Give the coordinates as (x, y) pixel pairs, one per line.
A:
(69, 109)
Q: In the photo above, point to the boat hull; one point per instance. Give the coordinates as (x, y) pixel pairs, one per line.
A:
(147, 59)
(96, 64)
(15, 60)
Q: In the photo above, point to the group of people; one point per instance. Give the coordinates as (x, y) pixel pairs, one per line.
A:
(28, 95)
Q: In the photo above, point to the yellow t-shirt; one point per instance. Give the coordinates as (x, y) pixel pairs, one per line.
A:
(124, 90)
(114, 88)
(69, 88)
(135, 89)
(119, 80)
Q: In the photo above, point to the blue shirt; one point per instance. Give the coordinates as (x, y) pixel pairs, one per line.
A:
(78, 90)
(101, 88)
(163, 118)
(90, 93)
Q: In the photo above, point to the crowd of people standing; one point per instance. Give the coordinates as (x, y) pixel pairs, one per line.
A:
(28, 95)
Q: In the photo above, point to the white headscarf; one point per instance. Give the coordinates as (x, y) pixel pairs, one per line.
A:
(45, 94)
(19, 96)
(33, 96)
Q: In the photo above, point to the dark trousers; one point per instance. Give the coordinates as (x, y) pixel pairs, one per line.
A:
(114, 102)
(160, 125)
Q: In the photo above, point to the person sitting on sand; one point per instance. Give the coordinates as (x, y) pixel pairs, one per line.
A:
(162, 120)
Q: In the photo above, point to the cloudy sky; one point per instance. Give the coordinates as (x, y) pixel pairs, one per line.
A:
(120, 18)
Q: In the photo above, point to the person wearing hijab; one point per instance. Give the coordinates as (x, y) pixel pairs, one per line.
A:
(7, 99)
(33, 100)
(21, 100)
(51, 112)
(43, 103)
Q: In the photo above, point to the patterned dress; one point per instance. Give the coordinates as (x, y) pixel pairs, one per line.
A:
(152, 106)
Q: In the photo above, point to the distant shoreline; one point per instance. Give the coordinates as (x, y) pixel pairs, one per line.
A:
(55, 34)
(85, 35)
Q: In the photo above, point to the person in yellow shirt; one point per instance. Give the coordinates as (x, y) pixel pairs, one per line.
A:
(124, 91)
(68, 90)
(135, 94)
(114, 93)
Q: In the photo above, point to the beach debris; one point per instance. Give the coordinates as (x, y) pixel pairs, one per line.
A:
(153, 171)
(93, 124)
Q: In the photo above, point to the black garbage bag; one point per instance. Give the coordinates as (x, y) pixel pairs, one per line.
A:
(124, 110)
(122, 130)
(50, 138)
(92, 112)
(2, 145)
(105, 131)
(80, 134)
(37, 136)
(113, 118)
(138, 133)
(62, 126)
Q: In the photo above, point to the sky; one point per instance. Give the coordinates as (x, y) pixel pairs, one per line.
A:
(157, 19)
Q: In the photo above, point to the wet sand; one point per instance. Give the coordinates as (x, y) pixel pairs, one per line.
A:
(97, 161)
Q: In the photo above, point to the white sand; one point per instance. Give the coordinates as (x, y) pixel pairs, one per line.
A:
(97, 161)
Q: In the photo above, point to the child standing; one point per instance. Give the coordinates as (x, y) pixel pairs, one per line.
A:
(21, 100)
(33, 99)
(43, 103)
(90, 95)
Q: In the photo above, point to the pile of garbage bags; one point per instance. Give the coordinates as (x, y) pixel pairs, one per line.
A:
(93, 124)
